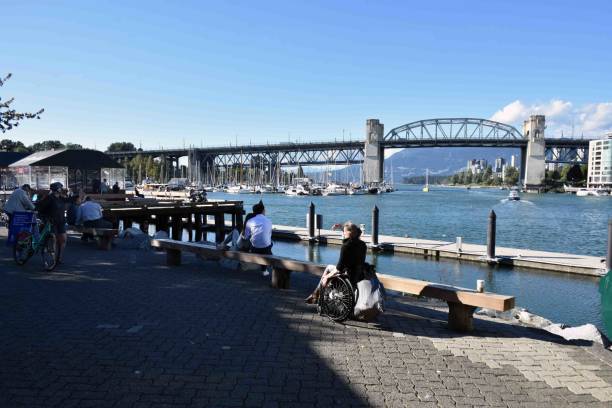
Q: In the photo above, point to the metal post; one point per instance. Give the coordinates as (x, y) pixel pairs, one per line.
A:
(311, 221)
(491, 235)
(375, 225)
(609, 257)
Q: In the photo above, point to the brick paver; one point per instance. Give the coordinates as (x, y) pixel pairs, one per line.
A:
(120, 329)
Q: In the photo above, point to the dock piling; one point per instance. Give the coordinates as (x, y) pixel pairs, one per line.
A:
(375, 214)
(491, 236)
(311, 221)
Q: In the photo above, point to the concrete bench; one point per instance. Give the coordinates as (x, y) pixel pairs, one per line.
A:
(461, 302)
(104, 236)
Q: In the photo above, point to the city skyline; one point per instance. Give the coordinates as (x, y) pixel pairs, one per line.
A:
(208, 74)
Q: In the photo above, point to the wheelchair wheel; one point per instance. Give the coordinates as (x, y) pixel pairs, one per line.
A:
(337, 300)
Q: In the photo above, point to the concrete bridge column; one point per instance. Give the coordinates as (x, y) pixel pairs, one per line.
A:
(533, 158)
(374, 153)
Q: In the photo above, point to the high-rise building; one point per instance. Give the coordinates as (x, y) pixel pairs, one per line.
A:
(499, 164)
(600, 163)
(513, 160)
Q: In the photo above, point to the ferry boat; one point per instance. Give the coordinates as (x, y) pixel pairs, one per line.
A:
(514, 195)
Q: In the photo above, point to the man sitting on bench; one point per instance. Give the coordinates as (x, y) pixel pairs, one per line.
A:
(90, 216)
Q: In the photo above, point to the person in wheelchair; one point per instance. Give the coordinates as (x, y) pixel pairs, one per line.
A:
(351, 262)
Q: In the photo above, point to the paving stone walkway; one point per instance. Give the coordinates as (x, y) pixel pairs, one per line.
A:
(120, 329)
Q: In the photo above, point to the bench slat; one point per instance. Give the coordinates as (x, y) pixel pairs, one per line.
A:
(396, 283)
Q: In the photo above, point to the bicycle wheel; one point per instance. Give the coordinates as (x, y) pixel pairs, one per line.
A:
(48, 252)
(22, 248)
(336, 300)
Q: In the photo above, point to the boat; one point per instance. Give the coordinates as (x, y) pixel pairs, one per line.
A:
(373, 190)
(357, 190)
(238, 190)
(584, 192)
(297, 190)
(267, 189)
(334, 190)
(426, 188)
(514, 195)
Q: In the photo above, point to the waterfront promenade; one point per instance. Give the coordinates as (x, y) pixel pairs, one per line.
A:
(121, 329)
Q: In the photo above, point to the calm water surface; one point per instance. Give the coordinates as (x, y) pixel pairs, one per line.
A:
(551, 222)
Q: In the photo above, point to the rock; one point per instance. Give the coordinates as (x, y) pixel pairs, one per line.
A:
(585, 332)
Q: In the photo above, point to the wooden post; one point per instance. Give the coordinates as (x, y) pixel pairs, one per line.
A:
(460, 317)
(491, 236)
(190, 226)
(375, 226)
(198, 227)
(280, 278)
(609, 257)
(173, 257)
(219, 227)
(311, 221)
(177, 227)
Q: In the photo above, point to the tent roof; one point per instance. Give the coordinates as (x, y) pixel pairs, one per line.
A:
(74, 159)
(7, 158)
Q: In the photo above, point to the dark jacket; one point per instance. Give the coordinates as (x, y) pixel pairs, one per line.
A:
(53, 208)
(352, 258)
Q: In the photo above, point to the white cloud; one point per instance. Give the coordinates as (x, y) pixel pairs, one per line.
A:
(592, 120)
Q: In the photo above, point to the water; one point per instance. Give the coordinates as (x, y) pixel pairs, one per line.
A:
(550, 222)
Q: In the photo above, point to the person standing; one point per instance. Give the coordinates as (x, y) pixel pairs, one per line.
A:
(258, 230)
(19, 201)
(53, 208)
(104, 188)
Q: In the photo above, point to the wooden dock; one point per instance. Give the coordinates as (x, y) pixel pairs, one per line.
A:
(551, 261)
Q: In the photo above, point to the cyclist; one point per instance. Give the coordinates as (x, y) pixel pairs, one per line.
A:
(53, 208)
(352, 260)
(19, 201)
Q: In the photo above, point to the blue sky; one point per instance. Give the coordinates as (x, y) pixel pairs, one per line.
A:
(211, 73)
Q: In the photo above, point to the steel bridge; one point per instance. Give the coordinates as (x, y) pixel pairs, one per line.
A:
(443, 132)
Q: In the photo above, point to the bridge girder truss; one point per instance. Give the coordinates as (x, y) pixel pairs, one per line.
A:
(453, 131)
(566, 154)
(338, 156)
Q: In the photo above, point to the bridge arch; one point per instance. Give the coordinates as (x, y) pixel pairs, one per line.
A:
(451, 130)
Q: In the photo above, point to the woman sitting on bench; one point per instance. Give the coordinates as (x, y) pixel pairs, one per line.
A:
(352, 260)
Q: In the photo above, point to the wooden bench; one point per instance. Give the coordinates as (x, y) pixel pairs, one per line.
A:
(104, 236)
(461, 302)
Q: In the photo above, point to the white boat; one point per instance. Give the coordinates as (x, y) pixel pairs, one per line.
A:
(267, 189)
(238, 190)
(298, 190)
(584, 192)
(357, 190)
(334, 190)
(514, 195)
(426, 188)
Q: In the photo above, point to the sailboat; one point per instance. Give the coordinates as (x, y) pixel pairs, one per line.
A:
(426, 188)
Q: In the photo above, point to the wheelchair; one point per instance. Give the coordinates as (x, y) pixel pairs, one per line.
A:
(337, 299)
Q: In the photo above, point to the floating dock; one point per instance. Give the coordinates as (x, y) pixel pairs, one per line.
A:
(551, 261)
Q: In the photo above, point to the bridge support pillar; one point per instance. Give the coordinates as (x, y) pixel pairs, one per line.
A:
(533, 157)
(374, 153)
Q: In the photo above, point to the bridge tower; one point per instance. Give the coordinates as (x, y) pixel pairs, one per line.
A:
(533, 156)
(374, 152)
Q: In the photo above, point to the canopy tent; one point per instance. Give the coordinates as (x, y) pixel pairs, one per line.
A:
(75, 169)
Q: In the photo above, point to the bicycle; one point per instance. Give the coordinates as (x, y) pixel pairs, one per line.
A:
(337, 299)
(28, 243)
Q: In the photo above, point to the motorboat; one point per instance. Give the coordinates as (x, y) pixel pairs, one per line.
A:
(334, 190)
(297, 190)
(584, 192)
(357, 190)
(238, 189)
(267, 189)
(426, 187)
(514, 195)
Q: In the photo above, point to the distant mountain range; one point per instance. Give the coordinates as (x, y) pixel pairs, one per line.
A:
(439, 160)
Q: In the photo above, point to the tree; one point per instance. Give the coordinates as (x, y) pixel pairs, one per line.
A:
(488, 173)
(8, 145)
(74, 146)
(121, 147)
(575, 174)
(468, 177)
(511, 176)
(46, 145)
(10, 118)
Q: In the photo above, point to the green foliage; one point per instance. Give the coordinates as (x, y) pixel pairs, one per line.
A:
(7, 145)
(511, 176)
(10, 118)
(121, 147)
(46, 145)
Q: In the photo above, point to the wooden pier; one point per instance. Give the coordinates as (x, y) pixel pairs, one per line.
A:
(551, 261)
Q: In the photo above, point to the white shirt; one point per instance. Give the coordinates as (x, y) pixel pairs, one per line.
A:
(19, 201)
(259, 231)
